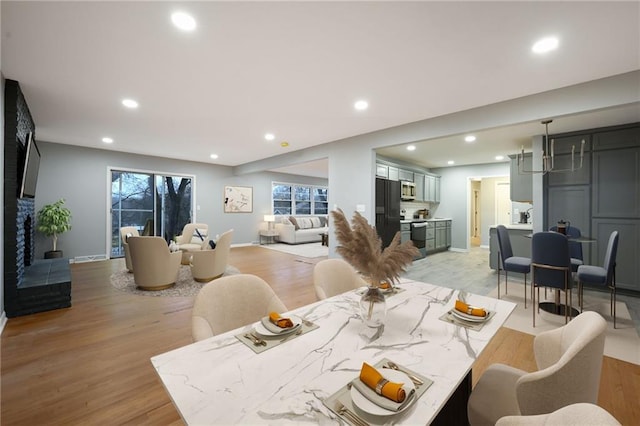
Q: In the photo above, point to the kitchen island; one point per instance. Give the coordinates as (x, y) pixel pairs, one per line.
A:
(520, 244)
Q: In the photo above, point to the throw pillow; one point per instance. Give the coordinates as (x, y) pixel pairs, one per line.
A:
(323, 221)
(199, 235)
(212, 244)
(304, 222)
(315, 222)
(294, 222)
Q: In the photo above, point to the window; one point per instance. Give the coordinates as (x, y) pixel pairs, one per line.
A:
(292, 199)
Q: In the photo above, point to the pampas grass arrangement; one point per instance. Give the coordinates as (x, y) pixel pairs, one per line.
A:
(360, 245)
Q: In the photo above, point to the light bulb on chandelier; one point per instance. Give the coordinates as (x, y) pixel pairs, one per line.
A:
(548, 156)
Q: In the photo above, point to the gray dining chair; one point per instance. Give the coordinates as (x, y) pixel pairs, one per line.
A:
(551, 268)
(575, 247)
(569, 362)
(510, 263)
(602, 275)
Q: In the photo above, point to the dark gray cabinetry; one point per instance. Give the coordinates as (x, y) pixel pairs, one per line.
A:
(601, 197)
(521, 184)
(627, 270)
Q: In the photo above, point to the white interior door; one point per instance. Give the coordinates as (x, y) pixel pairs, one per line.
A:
(503, 203)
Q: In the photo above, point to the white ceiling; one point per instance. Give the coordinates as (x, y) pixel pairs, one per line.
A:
(296, 68)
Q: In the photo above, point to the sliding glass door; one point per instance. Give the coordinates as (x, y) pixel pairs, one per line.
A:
(155, 204)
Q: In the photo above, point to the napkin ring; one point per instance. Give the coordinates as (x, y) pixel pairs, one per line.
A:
(469, 310)
(380, 385)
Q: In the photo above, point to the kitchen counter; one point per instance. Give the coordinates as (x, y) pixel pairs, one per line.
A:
(523, 226)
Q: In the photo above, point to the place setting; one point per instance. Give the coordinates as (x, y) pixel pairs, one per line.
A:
(273, 330)
(468, 316)
(380, 394)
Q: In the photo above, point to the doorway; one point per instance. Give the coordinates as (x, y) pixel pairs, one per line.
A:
(156, 204)
(503, 203)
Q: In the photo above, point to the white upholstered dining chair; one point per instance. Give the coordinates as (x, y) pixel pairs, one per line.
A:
(581, 414)
(569, 361)
(231, 302)
(335, 276)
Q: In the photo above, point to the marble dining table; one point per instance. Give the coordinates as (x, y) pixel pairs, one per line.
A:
(221, 380)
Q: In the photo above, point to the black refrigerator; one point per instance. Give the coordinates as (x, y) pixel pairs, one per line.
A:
(387, 209)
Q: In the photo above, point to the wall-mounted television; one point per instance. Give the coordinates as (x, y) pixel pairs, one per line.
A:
(31, 166)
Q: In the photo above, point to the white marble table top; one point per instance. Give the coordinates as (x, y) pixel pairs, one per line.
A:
(222, 381)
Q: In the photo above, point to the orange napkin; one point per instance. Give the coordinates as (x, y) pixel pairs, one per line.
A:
(275, 318)
(469, 310)
(371, 377)
(384, 285)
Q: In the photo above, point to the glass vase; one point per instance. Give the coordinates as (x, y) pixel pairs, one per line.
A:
(373, 307)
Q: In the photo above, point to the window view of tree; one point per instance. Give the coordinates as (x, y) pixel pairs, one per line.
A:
(161, 209)
(291, 199)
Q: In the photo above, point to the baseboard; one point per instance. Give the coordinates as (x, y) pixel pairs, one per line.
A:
(3, 321)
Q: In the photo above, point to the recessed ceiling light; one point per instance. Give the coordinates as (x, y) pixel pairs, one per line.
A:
(214, 156)
(130, 103)
(450, 162)
(469, 138)
(284, 144)
(499, 157)
(107, 140)
(411, 148)
(183, 21)
(361, 105)
(269, 136)
(545, 45)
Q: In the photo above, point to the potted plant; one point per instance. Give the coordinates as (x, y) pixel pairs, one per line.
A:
(54, 219)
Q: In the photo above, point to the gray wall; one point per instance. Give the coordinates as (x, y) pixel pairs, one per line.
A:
(81, 177)
(455, 200)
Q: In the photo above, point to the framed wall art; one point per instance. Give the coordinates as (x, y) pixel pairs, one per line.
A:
(238, 199)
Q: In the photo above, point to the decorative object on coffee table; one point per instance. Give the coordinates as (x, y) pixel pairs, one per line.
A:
(360, 245)
(54, 219)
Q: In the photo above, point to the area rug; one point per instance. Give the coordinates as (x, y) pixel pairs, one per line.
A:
(185, 285)
(302, 250)
(621, 343)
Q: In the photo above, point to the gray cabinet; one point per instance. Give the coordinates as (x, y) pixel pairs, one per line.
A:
(616, 183)
(394, 173)
(432, 188)
(382, 171)
(430, 244)
(405, 232)
(521, 184)
(627, 271)
(562, 160)
(438, 235)
(406, 175)
(419, 181)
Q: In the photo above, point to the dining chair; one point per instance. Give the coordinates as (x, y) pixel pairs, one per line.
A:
(551, 268)
(335, 276)
(125, 233)
(510, 263)
(231, 302)
(575, 247)
(602, 275)
(209, 264)
(583, 414)
(154, 266)
(569, 362)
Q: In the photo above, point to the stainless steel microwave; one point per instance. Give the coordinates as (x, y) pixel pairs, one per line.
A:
(408, 190)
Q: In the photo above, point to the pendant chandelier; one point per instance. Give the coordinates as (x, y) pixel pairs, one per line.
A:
(548, 156)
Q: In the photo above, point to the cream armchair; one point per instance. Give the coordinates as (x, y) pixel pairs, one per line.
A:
(192, 239)
(154, 266)
(207, 265)
(125, 233)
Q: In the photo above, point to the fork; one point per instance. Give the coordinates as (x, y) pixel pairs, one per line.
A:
(353, 418)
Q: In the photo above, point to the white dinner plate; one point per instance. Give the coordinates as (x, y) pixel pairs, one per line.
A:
(363, 403)
(467, 317)
(265, 332)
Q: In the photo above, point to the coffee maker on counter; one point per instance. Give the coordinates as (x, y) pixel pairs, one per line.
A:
(421, 214)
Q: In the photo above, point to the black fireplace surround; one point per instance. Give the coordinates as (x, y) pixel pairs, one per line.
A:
(30, 285)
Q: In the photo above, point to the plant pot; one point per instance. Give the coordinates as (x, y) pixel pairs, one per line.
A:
(53, 254)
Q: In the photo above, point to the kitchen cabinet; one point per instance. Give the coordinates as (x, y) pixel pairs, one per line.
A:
(430, 245)
(382, 171)
(419, 181)
(406, 175)
(394, 173)
(432, 188)
(405, 232)
(438, 236)
(521, 184)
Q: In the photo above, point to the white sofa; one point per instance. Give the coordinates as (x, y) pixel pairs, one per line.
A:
(301, 229)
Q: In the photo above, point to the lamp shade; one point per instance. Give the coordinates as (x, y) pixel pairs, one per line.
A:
(269, 218)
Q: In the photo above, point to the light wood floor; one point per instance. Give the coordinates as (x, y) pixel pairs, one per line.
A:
(89, 364)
